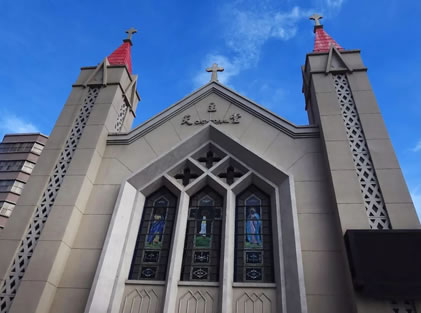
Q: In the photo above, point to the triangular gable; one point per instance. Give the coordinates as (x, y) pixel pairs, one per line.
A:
(99, 75)
(335, 62)
(223, 92)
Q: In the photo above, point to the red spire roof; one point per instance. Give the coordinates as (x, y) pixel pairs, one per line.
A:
(122, 55)
(323, 41)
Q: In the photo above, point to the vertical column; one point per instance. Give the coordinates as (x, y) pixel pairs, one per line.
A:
(32, 234)
(228, 265)
(174, 270)
(368, 187)
(78, 140)
(106, 292)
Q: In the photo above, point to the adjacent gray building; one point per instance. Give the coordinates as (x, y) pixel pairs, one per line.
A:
(215, 204)
(18, 155)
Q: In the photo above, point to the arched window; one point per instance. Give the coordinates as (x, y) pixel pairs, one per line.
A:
(253, 237)
(203, 237)
(154, 238)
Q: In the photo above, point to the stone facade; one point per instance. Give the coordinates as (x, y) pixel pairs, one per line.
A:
(71, 247)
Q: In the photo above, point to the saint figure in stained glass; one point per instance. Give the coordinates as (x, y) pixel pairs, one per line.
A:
(203, 237)
(253, 247)
(153, 242)
(203, 226)
(253, 223)
(253, 228)
(157, 224)
(155, 231)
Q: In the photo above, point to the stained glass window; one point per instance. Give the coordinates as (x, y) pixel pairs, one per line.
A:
(203, 237)
(253, 237)
(154, 238)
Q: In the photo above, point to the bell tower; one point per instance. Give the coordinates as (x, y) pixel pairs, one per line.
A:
(39, 238)
(369, 191)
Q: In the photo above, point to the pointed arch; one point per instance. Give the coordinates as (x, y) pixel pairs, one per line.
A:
(153, 242)
(202, 248)
(253, 237)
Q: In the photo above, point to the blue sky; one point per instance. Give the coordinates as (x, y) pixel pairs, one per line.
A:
(261, 44)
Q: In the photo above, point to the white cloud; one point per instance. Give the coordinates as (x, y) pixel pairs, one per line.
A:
(249, 30)
(10, 123)
(246, 33)
(334, 4)
(417, 147)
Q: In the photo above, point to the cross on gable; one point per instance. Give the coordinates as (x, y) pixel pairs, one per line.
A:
(316, 18)
(214, 69)
(130, 33)
(230, 175)
(186, 176)
(209, 159)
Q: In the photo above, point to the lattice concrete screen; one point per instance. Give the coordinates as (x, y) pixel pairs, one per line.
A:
(369, 185)
(121, 116)
(17, 269)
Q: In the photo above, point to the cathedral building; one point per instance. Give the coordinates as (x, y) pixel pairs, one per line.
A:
(215, 204)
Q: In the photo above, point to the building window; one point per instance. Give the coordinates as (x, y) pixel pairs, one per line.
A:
(253, 237)
(14, 166)
(16, 147)
(6, 208)
(11, 166)
(11, 185)
(154, 238)
(203, 237)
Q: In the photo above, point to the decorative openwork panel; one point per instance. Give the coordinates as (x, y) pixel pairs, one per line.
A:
(153, 242)
(121, 116)
(369, 185)
(17, 269)
(203, 237)
(253, 237)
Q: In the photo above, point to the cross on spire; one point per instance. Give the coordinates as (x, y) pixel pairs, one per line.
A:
(214, 69)
(230, 175)
(186, 176)
(209, 159)
(316, 18)
(130, 33)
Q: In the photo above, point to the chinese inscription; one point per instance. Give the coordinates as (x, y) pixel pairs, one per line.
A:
(233, 118)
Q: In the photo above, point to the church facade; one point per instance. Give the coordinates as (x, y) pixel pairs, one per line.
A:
(213, 205)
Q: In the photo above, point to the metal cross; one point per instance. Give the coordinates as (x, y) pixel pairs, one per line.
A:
(130, 33)
(186, 176)
(316, 18)
(230, 175)
(214, 69)
(209, 159)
